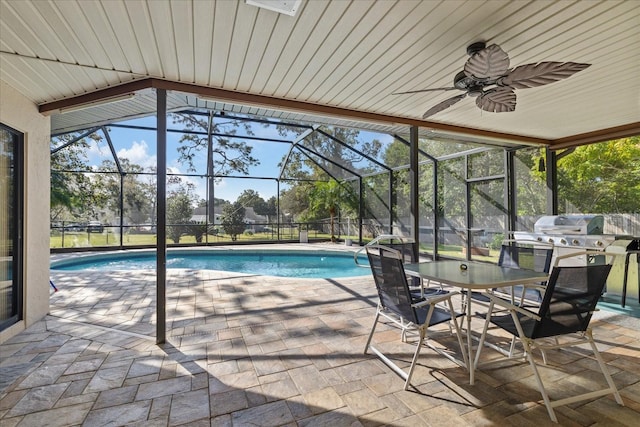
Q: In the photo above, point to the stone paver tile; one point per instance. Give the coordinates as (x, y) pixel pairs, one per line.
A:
(189, 407)
(144, 366)
(385, 383)
(323, 400)
(268, 365)
(350, 387)
(76, 400)
(59, 417)
(163, 388)
(308, 378)
(299, 408)
(10, 399)
(360, 370)
(222, 368)
(385, 416)
(10, 422)
(332, 419)
(160, 408)
(84, 366)
(269, 414)
(363, 402)
(240, 380)
(392, 401)
(140, 380)
(119, 415)
(227, 402)
(273, 346)
(255, 396)
(413, 421)
(107, 378)
(38, 399)
(45, 375)
(443, 415)
(74, 346)
(116, 396)
(279, 390)
(199, 381)
(294, 358)
(221, 421)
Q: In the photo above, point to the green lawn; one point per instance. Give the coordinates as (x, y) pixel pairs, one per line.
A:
(84, 239)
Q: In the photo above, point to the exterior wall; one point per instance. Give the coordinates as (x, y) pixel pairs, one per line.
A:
(21, 114)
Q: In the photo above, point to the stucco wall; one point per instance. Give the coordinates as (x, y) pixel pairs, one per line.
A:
(21, 114)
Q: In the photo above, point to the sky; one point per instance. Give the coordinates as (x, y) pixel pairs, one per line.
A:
(139, 146)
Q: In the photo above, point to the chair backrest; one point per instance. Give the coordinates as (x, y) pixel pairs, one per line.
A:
(526, 255)
(570, 299)
(405, 249)
(391, 282)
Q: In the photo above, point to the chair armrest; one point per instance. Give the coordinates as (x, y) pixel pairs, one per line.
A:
(505, 304)
(434, 299)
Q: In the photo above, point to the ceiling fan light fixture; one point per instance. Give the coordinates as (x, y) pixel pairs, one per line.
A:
(475, 91)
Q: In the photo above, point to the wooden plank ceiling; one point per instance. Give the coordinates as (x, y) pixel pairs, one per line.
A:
(348, 55)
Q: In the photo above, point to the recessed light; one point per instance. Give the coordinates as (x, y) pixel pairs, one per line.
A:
(288, 7)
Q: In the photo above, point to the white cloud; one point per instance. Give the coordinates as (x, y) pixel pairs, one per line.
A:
(138, 154)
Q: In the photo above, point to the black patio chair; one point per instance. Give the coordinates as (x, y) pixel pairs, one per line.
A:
(408, 311)
(569, 301)
(527, 255)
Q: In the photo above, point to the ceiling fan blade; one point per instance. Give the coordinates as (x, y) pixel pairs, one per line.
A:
(490, 62)
(543, 73)
(443, 105)
(425, 90)
(498, 100)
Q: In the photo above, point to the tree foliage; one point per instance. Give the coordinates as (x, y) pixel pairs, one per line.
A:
(330, 196)
(180, 203)
(602, 178)
(232, 219)
(229, 154)
(138, 193)
(73, 194)
(344, 153)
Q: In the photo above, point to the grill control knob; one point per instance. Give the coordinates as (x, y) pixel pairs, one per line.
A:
(598, 243)
(575, 242)
(563, 241)
(539, 239)
(550, 240)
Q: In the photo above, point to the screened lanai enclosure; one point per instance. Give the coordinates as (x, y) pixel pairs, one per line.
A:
(241, 174)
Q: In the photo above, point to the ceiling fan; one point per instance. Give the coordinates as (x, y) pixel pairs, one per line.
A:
(487, 77)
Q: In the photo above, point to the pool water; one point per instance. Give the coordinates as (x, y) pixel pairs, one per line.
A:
(304, 264)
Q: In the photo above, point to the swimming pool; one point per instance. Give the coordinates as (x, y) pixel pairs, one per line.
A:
(273, 262)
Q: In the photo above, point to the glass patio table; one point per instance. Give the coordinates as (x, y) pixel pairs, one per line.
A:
(473, 276)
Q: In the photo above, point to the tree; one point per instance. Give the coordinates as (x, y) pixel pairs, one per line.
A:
(233, 219)
(267, 208)
(72, 192)
(229, 154)
(249, 198)
(138, 196)
(330, 196)
(180, 202)
(603, 178)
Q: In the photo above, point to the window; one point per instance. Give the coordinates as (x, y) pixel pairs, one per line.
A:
(10, 226)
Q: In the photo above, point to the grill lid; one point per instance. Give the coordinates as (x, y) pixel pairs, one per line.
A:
(570, 224)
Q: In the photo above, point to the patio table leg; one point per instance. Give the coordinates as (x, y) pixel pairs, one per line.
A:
(470, 364)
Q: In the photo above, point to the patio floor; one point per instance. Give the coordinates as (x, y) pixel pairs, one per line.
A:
(254, 350)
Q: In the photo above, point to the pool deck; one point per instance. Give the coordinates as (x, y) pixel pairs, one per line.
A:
(254, 350)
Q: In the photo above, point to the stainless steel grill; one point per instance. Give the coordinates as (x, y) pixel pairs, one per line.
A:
(569, 231)
(570, 234)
